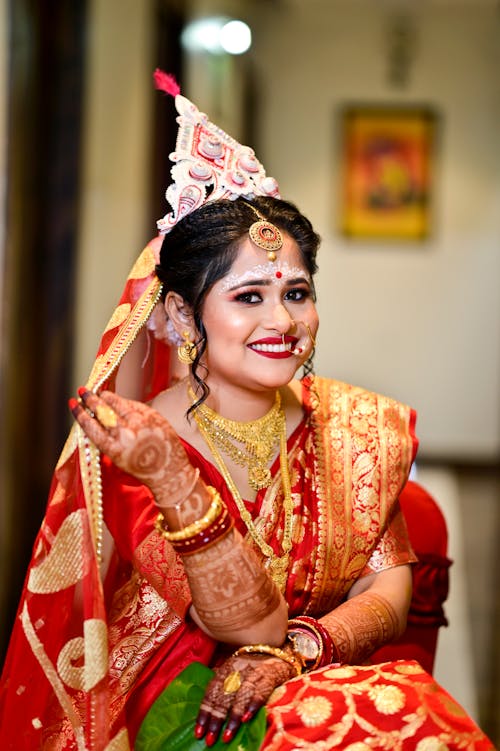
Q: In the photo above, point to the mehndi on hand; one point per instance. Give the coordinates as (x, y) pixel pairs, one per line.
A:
(139, 441)
(240, 687)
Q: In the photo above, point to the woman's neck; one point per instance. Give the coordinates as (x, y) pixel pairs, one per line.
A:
(240, 405)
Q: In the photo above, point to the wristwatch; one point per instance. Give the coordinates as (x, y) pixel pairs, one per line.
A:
(306, 648)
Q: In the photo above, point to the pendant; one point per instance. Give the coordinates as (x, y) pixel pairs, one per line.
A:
(259, 477)
(278, 568)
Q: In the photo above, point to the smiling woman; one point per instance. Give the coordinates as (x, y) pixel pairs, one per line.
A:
(239, 518)
(247, 315)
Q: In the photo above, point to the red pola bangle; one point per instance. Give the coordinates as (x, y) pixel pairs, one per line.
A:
(215, 524)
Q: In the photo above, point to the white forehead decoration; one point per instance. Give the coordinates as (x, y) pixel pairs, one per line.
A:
(276, 273)
(209, 165)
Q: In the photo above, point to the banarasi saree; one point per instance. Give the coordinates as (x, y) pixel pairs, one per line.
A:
(103, 624)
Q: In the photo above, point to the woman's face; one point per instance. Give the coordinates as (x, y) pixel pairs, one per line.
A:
(257, 317)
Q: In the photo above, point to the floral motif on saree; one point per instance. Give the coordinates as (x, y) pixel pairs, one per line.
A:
(391, 706)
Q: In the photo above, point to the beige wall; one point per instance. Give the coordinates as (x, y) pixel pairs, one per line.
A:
(116, 174)
(420, 322)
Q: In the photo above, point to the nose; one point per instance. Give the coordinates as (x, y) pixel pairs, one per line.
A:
(281, 319)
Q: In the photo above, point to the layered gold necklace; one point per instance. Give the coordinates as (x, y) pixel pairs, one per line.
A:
(277, 565)
(256, 441)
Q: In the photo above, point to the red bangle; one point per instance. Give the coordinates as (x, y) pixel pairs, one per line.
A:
(216, 531)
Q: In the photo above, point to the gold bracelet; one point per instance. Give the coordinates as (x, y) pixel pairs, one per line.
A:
(265, 649)
(196, 527)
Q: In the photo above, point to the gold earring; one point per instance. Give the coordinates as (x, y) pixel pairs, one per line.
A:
(186, 352)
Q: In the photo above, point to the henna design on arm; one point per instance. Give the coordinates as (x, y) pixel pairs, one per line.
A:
(193, 507)
(230, 588)
(361, 625)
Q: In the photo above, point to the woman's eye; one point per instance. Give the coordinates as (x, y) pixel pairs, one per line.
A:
(248, 297)
(296, 294)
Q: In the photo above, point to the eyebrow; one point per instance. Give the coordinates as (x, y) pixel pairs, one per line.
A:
(268, 282)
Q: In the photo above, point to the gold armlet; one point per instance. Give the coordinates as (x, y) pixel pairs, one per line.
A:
(213, 511)
(265, 649)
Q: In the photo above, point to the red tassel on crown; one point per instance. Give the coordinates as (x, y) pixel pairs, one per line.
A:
(166, 82)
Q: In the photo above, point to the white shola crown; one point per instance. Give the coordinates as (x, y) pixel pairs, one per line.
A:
(209, 165)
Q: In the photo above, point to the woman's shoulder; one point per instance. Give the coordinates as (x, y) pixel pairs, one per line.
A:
(173, 404)
(322, 393)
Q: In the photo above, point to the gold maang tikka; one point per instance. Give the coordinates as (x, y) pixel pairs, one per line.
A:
(265, 235)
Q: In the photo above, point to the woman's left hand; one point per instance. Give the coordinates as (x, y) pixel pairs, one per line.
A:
(240, 687)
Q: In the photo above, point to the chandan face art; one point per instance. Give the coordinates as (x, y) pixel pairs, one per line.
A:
(276, 273)
(257, 320)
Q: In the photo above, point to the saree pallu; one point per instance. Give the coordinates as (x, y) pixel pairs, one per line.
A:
(58, 691)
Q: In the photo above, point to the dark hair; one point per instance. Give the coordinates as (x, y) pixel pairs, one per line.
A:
(202, 247)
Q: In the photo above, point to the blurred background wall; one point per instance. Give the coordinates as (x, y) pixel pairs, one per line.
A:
(84, 143)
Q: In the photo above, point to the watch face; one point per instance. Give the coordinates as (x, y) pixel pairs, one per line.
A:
(306, 646)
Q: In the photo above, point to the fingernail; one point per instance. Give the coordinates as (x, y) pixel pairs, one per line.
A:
(82, 391)
(73, 405)
(199, 730)
(247, 716)
(211, 738)
(227, 735)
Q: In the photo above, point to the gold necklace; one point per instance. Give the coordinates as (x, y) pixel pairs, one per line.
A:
(258, 439)
(277, 565)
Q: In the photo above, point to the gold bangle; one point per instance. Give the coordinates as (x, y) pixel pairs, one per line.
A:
(265, 649)
(196, 527)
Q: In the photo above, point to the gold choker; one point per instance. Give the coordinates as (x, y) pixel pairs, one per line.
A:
(257, 440)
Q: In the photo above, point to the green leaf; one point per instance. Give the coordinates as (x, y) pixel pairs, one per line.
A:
(169, 724)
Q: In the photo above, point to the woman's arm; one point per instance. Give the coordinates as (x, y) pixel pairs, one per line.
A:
(374, 614)
(234, 598)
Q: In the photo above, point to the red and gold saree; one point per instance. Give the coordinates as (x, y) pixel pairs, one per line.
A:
(103, 623)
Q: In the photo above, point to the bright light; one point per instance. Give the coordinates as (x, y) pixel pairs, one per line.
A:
(203, 35)
(235, 37)
(217, 35)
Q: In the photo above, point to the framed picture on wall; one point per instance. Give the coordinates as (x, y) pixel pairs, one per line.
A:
(387, 171)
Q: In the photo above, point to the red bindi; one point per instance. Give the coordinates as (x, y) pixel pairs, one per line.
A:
(279, 274)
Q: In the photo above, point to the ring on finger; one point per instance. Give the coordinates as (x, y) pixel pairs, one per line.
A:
(106, 416)
(232, 682)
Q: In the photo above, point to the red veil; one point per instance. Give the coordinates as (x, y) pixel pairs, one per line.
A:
(58, 688)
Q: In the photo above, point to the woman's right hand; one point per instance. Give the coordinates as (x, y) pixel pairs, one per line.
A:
(138, 440)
